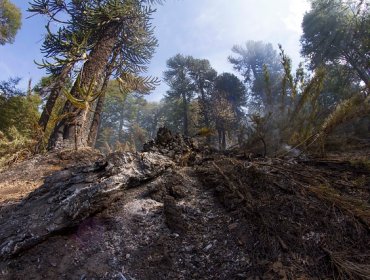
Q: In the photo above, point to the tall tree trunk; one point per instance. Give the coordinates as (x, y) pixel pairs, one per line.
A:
(93, 135)
(185, 114)
(204, 109)
(54, 94)
(73, 130)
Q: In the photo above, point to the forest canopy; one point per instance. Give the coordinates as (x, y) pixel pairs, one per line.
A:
(96, 54)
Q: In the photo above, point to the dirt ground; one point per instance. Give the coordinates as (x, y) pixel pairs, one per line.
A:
(20, 179)
(222, 218)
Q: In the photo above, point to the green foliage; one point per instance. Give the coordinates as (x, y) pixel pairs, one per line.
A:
(228, 99)
(205, 132)
(252, 61)
(95, 41)
(233, 88)
(15, 147)
(9, 88)
(178, 77)
(258, 130)
(127, 120)
(349, 109)
(18, 127)
(181, 86)
(20, 112)
(10, 21)
(203, 77)
(291, 111)
(82, 25)
(337, 31)
(311, 106)
(129, 82)
(223, 112)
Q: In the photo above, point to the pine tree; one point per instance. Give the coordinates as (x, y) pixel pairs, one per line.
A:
(111, 38)
(338, 32)
(203, 77)
(181, 87)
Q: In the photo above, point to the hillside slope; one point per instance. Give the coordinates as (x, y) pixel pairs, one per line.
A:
(176, 212)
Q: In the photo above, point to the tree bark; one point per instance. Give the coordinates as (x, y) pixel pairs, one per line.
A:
(94, 130)
(73, 130)
(54, 94)
(93, 135)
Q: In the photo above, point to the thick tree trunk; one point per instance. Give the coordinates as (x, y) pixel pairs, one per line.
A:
(95, 126)
(93, 135)
(54, 94)
(185, 114)
(73, 130)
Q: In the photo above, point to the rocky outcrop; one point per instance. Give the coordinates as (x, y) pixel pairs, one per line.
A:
(70, 196)
(183, 150)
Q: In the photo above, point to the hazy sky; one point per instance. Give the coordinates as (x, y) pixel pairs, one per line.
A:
(201, 28)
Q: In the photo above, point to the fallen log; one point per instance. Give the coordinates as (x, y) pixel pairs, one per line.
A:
(70, 196)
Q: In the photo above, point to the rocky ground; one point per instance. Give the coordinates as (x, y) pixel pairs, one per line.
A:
(176, 211)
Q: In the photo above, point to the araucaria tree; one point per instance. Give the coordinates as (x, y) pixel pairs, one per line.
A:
(252, 61)
(97, 40)
(181, 87)
(337, 32)
(203, 77)
(228, 99)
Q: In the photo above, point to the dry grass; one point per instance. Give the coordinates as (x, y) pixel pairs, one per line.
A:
(348, 269)
(15, 149)
(357, 208)
(298, 209)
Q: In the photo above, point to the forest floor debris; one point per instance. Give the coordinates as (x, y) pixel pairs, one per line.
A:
(219, 218)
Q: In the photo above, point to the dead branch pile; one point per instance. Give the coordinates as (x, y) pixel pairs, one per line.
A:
(308, 217)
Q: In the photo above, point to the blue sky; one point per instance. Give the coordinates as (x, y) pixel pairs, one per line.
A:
(201, 28)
